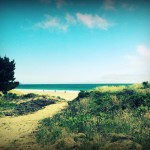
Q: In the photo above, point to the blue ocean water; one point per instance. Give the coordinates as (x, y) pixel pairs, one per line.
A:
(70, 87)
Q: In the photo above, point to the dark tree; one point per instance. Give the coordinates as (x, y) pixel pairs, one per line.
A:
(7, 79)
(146, 84)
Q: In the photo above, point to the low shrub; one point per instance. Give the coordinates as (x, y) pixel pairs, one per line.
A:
(32, 106)
(97, 115)
(4, 105)
(82, 94)
(10, 96)
(30, 95)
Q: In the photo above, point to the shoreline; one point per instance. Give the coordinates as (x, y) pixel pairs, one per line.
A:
(43, 90)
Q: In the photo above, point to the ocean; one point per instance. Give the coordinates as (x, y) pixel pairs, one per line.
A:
(67, 87)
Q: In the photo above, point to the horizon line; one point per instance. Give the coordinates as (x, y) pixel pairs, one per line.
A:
(78, 83)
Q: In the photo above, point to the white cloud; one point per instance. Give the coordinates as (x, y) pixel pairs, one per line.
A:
(51, 22)
(109, 5)
(144, 51)
(48, 23)
(92, 21)
(70, 19)
(141, 58)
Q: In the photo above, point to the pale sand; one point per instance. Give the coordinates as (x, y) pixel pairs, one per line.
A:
(17, 132)
(67, 95)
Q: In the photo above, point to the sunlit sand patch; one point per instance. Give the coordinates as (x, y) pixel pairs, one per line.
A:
(16, 132)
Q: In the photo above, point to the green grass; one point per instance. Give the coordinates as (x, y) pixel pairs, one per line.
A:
(116, 117)
(12, 104)
(6, 107)
(32, 106)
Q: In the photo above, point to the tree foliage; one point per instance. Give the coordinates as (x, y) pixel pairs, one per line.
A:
(7, 78)
(146, 84)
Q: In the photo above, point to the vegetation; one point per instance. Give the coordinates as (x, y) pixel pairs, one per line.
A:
(7, 79)
(101, 119)
(32, 106)
(146, 84)
(12, 104)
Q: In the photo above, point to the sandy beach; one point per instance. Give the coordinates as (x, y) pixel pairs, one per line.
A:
(16, 132)
(67, 95)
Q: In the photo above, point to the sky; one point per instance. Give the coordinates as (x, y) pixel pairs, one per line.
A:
(77, 41)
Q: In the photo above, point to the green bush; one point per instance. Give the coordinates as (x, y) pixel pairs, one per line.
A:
(83, 94)
(146, 84)
(30, 95)
(10, 96)
(32, 106)
(5, 105)
(133, 99)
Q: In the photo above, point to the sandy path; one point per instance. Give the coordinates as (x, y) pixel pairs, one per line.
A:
(16, 132)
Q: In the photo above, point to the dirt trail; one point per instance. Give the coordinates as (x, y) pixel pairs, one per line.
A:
(16, 132)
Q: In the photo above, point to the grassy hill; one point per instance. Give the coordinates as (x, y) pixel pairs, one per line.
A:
(103, 118)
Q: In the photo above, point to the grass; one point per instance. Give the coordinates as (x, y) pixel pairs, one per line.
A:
(103, 118)
(12, 104)
(32, 106)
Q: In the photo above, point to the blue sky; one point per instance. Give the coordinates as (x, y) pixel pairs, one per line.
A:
(69, 41)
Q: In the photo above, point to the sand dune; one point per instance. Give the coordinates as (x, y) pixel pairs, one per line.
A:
(16, 132)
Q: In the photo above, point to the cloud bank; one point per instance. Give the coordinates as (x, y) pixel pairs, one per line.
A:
(88, 20)
(139, 62)
(92, 21)
(141, 57)
(51, 22)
